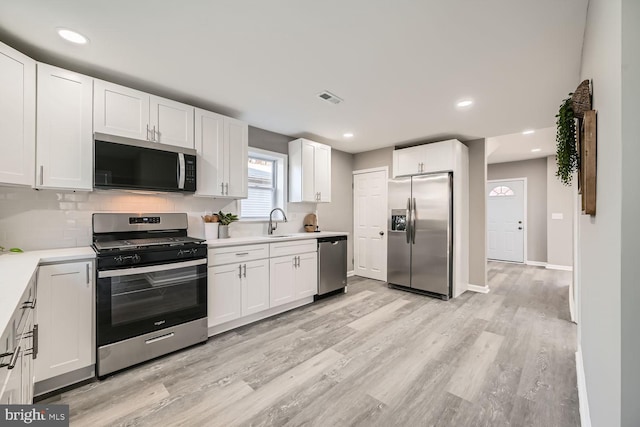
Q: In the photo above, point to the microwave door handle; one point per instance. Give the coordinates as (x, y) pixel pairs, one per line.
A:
(181, 171)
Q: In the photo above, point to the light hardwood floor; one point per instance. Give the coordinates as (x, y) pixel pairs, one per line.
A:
(372, 357)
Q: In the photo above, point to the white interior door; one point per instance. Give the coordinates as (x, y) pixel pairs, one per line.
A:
(370, 224)
(506, 220)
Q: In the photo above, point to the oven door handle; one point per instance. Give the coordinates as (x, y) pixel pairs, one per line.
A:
(149, 269)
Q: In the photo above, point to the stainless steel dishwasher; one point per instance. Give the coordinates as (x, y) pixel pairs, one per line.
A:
(332, 264)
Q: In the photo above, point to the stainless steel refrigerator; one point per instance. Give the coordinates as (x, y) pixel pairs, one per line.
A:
(420, 227)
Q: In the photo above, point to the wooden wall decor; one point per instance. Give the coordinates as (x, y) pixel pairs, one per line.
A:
(588, 152)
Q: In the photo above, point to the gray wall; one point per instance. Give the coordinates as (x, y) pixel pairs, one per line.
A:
(334, 216)
(630, 251)
(338, 215)
(374, 159)
(599, 237)
(560, 200)
(477, 212)
(536, 173)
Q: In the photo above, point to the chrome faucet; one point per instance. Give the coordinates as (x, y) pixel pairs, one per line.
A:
(273, 226)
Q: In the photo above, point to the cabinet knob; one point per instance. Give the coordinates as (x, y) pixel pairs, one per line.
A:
(381, 233)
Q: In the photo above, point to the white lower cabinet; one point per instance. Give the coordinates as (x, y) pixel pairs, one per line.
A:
(293, 277)
(237, 290)
(249, 280)
(224, 298)
(64, 313)
(17, 352)
(255, 286)
(282, 280)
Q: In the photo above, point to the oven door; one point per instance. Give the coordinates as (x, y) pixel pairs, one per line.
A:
(138, 300)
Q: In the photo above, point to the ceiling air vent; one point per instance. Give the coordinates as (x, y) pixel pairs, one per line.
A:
(329, 97)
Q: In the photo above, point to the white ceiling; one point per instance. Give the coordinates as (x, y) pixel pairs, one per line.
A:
(516, 146)
(399, 65)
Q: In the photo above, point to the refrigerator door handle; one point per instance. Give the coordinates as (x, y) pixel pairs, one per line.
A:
(408, 226)
(413, 223)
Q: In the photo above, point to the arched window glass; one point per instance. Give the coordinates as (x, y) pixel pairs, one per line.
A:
(501, 191)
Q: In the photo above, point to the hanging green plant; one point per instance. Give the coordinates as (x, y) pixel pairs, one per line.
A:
(566, 152)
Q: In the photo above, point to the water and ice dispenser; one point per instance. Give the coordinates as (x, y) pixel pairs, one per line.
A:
(398, 220)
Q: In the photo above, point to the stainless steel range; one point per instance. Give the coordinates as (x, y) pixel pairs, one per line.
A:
(151, 295)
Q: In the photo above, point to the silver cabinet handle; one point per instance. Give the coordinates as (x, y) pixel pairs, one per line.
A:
(14, 358)
(222, 188)
(226, 188)
(41, 175)
(244, 268)
(242, 253)
(298, 262)
(239, 271)
(294, 262)
(87, 265)
(153, 138)
(36, 336)
(148, 139)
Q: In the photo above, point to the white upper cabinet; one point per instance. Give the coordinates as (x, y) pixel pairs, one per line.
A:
(172, 122)
(127, 112)
(64, 129)
(236, 136)
(222, 146)
(17, 117)
(121, 111)
(309, 171)
(427, 158)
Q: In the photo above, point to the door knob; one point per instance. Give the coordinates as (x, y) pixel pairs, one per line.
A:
(381, 233)
(519, 228)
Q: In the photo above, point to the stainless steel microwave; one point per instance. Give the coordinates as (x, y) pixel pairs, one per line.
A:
(130, 164)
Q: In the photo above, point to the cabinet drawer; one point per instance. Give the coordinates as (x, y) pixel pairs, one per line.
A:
(294, 247)
(221, 256)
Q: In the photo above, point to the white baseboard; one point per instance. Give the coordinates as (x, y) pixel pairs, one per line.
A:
(559, 267)
(351, 273)
(585, 417)
(536, 263)
(477, 288)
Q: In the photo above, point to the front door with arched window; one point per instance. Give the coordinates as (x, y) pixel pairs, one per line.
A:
(506, 220)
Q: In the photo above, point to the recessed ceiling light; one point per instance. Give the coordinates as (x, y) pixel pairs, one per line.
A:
(348, 135)
(528, 132)
(535, 150)
(464, 103)
(72, 36)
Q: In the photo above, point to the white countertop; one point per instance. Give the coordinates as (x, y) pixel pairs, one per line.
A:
(17, 269)
(249, 240)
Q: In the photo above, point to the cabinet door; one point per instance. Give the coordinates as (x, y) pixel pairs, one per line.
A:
(282, 281)
(172, 121)
(306, 281)
(27, 372)
(121, 111)
(11, 394)
(407, 161)
(255, 286)
(236, 134)
(309, 192)
(18, 117)
(64, 130)
(322, 172)
(439, 156)
(224, 295)
(64, 312)
(209, 134)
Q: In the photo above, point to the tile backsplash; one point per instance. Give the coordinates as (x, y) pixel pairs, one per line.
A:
(47, 219)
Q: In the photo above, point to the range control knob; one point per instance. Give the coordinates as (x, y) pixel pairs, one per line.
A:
(135, 259)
